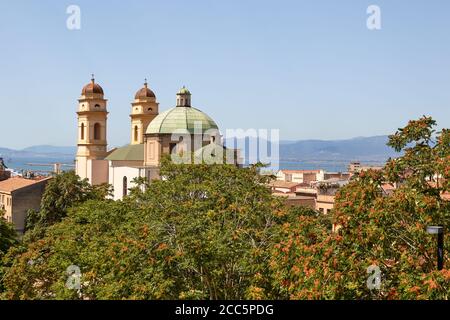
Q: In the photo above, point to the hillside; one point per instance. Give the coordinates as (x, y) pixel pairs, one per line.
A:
(361, 148)
(369, 149)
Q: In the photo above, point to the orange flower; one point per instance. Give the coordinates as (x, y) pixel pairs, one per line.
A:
(446, 274)
(415, 289)
(431, 284)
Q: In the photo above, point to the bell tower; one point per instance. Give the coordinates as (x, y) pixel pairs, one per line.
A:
(143, 110)
(92, 138)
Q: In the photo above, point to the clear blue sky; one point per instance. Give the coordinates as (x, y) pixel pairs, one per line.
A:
(310, 68)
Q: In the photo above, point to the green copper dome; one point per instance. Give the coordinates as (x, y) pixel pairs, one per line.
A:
(184, 90)
(183, 118)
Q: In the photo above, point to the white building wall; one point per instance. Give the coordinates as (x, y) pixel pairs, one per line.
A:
(280, 175)
(297, 177)
(321, 175)
(116, 175)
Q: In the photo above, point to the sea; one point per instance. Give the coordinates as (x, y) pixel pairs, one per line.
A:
(45, 165)
(39, 165)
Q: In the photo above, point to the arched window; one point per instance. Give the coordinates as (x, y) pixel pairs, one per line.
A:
(125, 186)
(136, 133)
(82, 131)
(97, 131)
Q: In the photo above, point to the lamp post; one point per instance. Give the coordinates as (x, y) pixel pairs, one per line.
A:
(439, 230)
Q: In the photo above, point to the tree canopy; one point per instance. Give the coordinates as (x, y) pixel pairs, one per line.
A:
(63, 192)
(8, 238)
(216, 232)
(203, 232)
(378, 229)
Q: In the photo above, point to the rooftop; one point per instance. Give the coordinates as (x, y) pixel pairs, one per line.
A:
(131, 152)
(283, 184)
(184, 90)
(144, 92)
(292, 195)
(92, 88)
(180, 119)
(16, 183)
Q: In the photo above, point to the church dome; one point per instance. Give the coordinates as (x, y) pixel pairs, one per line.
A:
(180, 118)
(91, 88)
(144, 92)
(183, 90)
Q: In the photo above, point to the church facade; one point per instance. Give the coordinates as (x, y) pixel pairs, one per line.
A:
(178, 130)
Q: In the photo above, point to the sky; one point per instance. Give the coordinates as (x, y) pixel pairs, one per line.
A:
(309, 68)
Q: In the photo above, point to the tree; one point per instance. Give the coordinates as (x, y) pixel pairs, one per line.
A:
(8, 238)
(62, 192)
(203, 232)
(384, 231)
(216, 232)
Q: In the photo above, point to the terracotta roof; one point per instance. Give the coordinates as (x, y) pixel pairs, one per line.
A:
(92, 87)
(387, 186)
(144, 92)
(16, 183)
(283, 184)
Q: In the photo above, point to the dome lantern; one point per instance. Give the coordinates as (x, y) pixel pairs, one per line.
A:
(184, 97)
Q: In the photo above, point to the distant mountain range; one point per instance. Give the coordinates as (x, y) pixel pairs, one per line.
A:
(369, 149)
(366, 149)
(39, 152)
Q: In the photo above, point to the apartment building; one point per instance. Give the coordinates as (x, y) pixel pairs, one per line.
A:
(17, 196)
(300, 176)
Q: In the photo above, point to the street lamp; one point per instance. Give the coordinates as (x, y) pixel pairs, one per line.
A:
(439, 230)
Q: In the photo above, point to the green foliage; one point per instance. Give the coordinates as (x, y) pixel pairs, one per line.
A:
(377, 229)
(216, 232)
(204, 232)
(61, 193)
(8, 238)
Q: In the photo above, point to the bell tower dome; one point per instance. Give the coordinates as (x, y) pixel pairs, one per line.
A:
(143, 110)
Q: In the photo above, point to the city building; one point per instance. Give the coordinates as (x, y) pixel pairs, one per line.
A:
(18, 195)
(300, 176)
(279, 186)
(356, 166)
(180, 130)
(311, 188)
